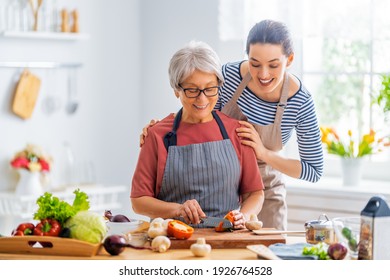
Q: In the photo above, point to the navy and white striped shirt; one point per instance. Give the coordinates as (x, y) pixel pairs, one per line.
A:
(299, 114)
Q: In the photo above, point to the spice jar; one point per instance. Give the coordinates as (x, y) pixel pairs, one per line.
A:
(320, 230)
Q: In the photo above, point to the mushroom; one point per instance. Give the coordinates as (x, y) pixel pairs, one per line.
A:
(156, 229)
(200, 248)
(253, 223)
(157, 220)
(161, 244)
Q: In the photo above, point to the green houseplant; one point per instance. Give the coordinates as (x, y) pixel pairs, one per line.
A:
(383, 98)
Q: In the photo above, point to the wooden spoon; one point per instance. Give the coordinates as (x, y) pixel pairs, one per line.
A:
(35, 12)
(263, 252)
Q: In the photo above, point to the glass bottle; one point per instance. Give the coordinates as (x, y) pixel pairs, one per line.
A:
(69, 170)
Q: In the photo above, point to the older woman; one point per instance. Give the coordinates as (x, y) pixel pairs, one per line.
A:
(192, 164)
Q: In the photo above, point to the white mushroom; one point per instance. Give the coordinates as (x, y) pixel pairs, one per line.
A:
(200, 248)
(253, 223)
(156, 229)
(161, 244)
(157, 220)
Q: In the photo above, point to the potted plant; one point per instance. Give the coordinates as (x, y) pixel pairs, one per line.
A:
(30, 163)
(383, 98)
(352, 150)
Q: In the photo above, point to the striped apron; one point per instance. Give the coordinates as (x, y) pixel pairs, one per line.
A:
(274, 211)
(208, 172)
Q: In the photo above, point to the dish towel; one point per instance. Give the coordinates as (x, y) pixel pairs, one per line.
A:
(291, 251)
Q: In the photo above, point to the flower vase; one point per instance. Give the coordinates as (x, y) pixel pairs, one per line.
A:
(29, 183)
(351, 168)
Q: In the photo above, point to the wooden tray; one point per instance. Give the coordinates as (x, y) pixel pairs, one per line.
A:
(228, 240)
(52, 246)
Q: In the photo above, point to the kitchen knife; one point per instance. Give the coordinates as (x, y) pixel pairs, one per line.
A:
(214, 222)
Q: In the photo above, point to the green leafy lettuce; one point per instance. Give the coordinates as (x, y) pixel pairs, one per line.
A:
(55, 208)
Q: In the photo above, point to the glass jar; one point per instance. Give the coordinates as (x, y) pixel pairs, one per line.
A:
(320, 230)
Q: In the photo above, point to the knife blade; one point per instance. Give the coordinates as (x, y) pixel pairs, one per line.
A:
(214, 222)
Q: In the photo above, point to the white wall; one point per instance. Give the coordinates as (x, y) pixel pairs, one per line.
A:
(122, 85)
(165, 27)
(105, 128)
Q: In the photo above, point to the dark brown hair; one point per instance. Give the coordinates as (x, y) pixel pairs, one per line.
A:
(270, 32)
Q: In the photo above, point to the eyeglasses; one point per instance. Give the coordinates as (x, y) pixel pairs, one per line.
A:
(195, 92)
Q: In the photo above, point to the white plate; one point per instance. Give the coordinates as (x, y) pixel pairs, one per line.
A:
(122, 228)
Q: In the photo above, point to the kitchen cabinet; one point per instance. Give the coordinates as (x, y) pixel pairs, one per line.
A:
(307, 201)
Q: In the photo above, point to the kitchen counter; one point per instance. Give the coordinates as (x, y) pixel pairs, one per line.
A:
(172, 254)
(307, 201)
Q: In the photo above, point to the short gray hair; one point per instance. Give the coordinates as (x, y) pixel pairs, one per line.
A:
(195, 55)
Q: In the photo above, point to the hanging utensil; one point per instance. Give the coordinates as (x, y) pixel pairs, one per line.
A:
(51, 102)
(72, 104)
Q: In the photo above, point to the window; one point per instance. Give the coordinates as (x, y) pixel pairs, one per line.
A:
(342, 48)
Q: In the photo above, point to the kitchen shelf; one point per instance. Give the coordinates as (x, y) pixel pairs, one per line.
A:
(39, 64)
(59, 36)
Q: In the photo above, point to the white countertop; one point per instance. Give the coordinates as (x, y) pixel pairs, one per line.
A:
(327, 184)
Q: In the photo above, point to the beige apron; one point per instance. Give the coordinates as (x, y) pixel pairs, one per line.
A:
(274, 211)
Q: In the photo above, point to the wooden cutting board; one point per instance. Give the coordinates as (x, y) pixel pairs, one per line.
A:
(227, 240)
(26, 94)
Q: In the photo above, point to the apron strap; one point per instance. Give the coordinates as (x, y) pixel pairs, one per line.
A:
(244, 82)
(282, 101)
(170, 139)
(221, 126)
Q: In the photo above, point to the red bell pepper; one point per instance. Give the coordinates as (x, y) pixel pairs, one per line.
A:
(48, 227)
(24, 229)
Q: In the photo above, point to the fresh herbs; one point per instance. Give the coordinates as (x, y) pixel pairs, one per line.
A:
(54, 208)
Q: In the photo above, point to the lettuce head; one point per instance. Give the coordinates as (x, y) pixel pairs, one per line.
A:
(87, 226)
